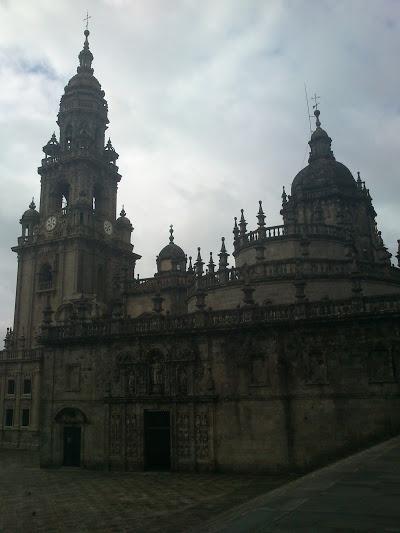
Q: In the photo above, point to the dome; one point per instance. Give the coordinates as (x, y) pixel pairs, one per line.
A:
(324, 174)
(172, 251)
(83, 79)
(31, 213)
(123, 220)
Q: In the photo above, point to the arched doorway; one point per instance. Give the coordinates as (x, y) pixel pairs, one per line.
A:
(72, 421)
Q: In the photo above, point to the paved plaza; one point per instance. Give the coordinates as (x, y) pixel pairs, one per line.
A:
(360, 493)
(357, 494)
(73, 500)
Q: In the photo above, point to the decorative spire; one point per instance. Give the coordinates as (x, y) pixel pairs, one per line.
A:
(85, 56)
(284, 197)
(235, 230)
(223, 256)
(211, 265)
(359, 180)
(110, 153)
(32, 205)
(123, 213)
(52, 148)
(260, 215)
(190, 267)
(199, 264)
(171, 234)
(320, 142)
(242, 224)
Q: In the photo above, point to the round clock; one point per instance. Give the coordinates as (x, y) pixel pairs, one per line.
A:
(51, 223)
(108, 227)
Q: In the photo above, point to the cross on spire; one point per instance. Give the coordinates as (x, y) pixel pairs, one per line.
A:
(315, 99)
(87, 19)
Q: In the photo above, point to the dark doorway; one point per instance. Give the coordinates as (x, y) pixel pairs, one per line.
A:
(157, 440)
(72, 446)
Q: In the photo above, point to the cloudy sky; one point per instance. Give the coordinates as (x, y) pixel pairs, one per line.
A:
(207, 107)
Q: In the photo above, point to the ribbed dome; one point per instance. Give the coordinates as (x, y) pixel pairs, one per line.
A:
(324, 174)
(172, 251)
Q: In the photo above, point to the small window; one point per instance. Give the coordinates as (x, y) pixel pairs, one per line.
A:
(9, 417)
(45, 277)
(11, 386)
(27, 386)
(25, 420)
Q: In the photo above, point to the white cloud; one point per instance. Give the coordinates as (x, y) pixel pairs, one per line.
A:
(206, 106)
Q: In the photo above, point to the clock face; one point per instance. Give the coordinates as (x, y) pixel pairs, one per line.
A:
(108, 227)
(51, 223)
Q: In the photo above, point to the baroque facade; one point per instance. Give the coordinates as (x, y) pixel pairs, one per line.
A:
(282, 361)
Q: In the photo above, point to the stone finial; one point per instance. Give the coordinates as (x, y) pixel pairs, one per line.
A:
(211, 265)
(260, 215)
(122, 213)
(32, 205)
(242, 224)
(284, 197)
(235, 230)
(223, 256)
(171, 234)
(190, 267)
(199, 264)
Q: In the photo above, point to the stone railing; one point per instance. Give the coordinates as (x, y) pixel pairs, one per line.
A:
(93, 331)
(156, 284)
(290, 230)
(21, 355)
(265, 271)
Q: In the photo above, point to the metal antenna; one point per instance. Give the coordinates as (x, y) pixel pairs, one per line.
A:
(308, 107)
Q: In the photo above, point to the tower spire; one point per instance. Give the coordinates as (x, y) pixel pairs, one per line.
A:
(320, 142)
(85, 56)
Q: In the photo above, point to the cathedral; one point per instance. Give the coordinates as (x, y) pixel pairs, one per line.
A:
(282, 356)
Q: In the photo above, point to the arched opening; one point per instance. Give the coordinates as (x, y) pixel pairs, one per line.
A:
(45, 277)
(98, 203)
(72, 421)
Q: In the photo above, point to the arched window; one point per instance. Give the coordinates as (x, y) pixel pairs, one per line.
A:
(45, 277)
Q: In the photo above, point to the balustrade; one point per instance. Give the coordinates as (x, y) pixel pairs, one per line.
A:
(94, 330)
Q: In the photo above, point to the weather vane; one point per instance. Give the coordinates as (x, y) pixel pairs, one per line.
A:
(87, 19)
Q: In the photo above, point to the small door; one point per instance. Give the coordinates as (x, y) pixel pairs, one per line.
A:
(157, 434)
(72, 446)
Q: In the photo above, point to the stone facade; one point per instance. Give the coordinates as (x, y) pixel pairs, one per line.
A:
(280, 362)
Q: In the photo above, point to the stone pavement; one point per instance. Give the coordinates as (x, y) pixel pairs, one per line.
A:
(74, 500)
(359, 493)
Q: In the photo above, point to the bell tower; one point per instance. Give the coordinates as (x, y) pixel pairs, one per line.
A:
(73, 254)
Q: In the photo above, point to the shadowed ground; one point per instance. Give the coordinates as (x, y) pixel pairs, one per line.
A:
(74, 500)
